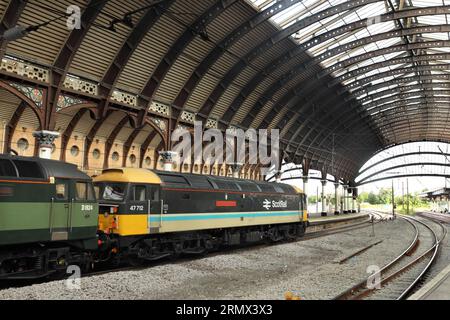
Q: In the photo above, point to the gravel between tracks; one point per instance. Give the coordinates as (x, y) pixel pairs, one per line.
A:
(308, 268)
(393, 289)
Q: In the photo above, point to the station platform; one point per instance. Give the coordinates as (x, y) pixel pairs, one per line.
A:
(442, 217)
(317, 219)
(329, 215)
(436, 289)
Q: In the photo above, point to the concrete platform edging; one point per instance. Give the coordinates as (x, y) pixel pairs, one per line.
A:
(432, 290)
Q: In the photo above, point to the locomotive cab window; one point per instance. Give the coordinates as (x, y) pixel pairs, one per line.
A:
(97, 191)
(138, 193)
(113, 191)
(61, 191)
(154, 193)
(84, 191)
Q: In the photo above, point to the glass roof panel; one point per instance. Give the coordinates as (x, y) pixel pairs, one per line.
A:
(426, 3)
(286, 16)
(378, 63)
(432, 20)
(436, 36)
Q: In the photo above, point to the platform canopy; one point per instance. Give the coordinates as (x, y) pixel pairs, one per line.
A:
(340, 79)
(443, 193)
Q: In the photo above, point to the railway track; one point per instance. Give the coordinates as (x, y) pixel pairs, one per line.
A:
(311, 235)
(397, 279)
(377, 218)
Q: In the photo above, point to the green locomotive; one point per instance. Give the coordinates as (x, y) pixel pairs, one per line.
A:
(48, 217)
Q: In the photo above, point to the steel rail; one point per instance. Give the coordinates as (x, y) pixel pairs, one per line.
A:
(432, 250)
(360, 285)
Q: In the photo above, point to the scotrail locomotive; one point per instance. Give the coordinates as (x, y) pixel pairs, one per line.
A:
(152, 214)
(52, 215)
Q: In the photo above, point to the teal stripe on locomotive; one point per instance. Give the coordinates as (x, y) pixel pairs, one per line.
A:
(230, 215)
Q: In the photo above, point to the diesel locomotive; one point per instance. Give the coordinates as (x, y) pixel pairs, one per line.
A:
(48, 217)
(52, 215)
(147, 215)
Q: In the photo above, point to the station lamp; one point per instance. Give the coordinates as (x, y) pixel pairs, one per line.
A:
(17, 32)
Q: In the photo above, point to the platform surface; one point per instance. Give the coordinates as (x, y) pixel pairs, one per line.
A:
(436, 289)
(443, 217)
(329, 215)
(317, 219)
(439, 287)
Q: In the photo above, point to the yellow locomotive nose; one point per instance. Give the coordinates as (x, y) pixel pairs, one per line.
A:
(107, 222)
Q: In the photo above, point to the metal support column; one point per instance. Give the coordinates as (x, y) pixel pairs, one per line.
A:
(168, 158)
(336, 198)
(353, 200)
(236, 169)
(324, 210)
(305, 185)
(344, 202)
(348, 205)
(45, 141)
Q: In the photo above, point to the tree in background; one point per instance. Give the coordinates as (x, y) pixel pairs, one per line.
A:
(362, 197)
(312, 199)
(372, 198)
(384, 197)
(414, 201)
